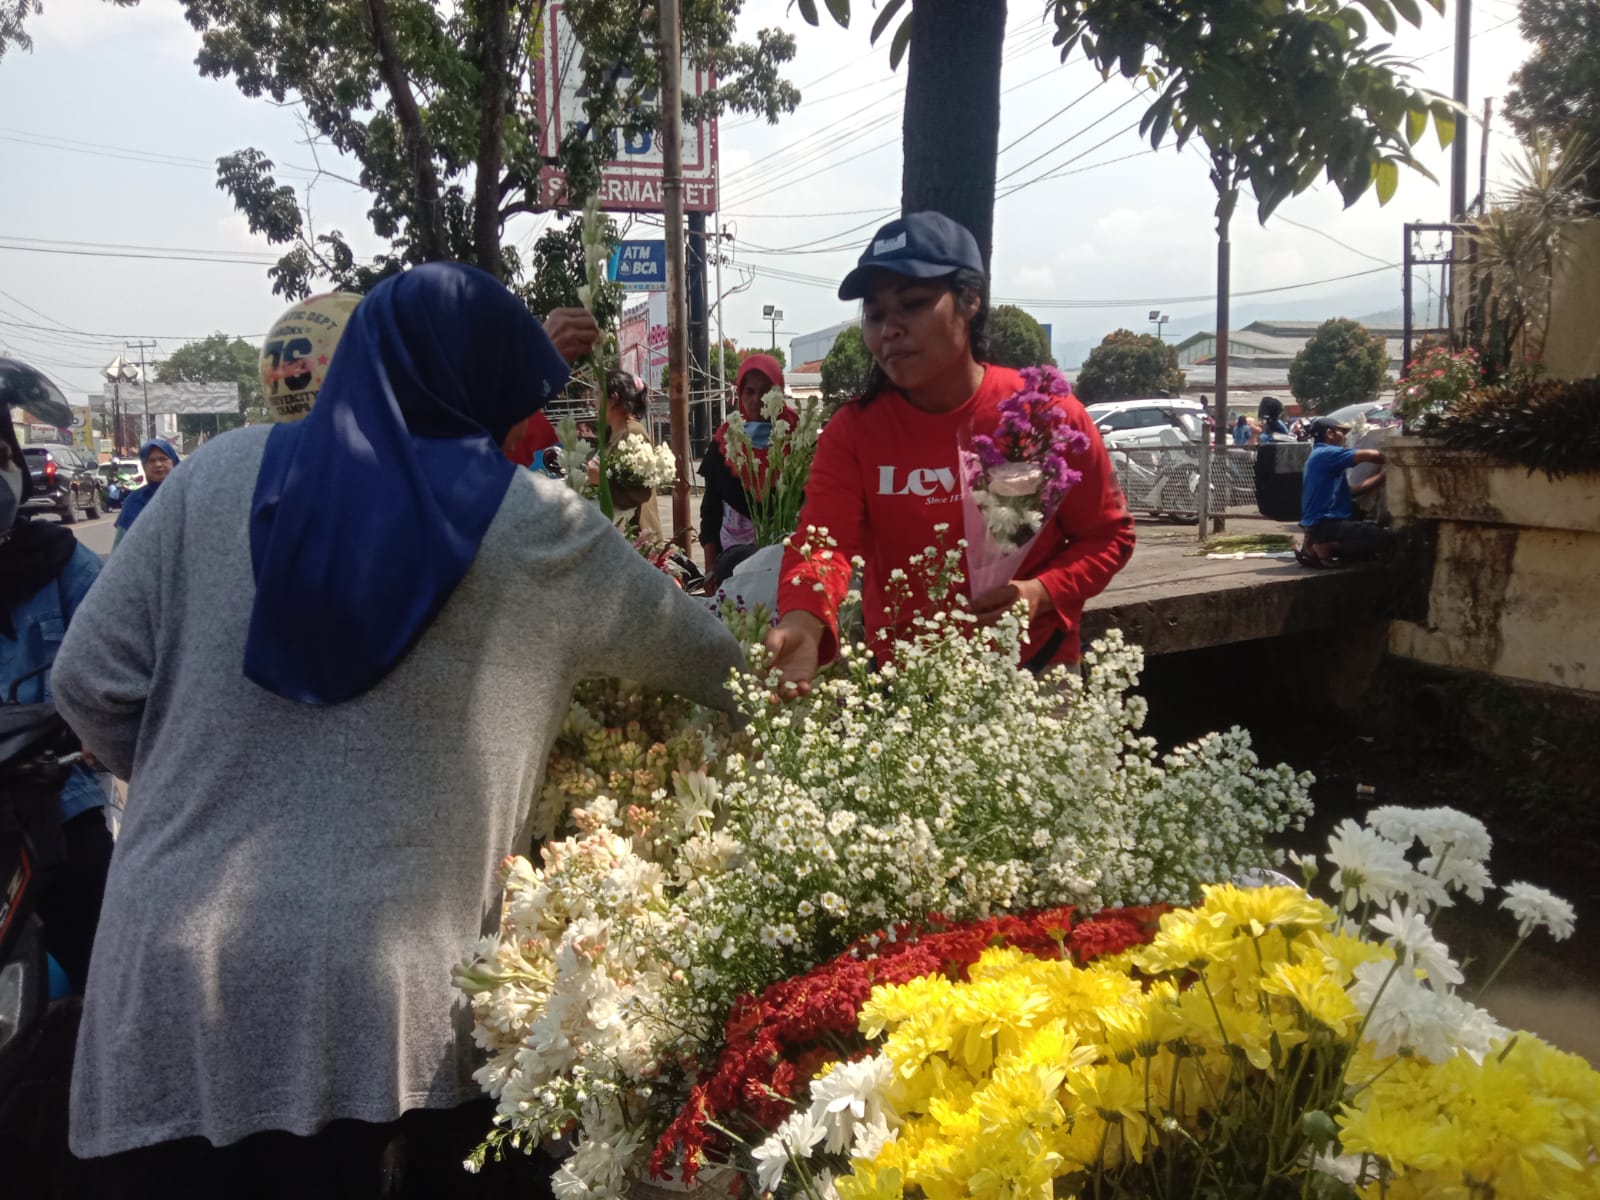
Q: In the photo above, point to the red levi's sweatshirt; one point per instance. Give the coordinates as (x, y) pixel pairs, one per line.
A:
(886, 473)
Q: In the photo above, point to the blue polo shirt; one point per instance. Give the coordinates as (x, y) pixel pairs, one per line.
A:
(1324, 491)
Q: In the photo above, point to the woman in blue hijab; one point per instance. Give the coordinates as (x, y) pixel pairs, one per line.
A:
(158, 458)
(318, 675)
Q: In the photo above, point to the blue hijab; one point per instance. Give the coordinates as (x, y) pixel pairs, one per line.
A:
(367, 514)
(134, 502)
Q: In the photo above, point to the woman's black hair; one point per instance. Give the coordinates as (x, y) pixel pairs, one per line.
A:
(967, 284)
(628, 388)
(1270, 408)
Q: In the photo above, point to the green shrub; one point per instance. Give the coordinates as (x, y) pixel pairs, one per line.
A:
(1548, 425)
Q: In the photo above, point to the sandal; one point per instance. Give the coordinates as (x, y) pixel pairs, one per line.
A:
(1306, 558)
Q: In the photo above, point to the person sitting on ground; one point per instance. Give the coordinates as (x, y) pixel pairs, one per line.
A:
(1327, 500)
(158, 458)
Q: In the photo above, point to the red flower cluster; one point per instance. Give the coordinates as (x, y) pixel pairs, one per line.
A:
(774, 1043)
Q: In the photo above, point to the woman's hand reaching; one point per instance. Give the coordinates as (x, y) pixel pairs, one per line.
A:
(996, 602)
(795, 644)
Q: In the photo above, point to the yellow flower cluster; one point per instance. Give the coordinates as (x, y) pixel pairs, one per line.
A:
(1206, 1060)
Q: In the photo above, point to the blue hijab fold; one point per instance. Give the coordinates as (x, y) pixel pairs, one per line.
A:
(368, 513)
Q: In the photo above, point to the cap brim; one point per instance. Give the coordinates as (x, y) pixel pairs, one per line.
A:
(855, 285)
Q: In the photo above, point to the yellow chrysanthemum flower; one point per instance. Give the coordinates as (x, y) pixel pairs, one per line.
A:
(1256, 910)
(1321, 996)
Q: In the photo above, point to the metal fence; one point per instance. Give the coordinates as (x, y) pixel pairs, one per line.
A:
(1164, 481)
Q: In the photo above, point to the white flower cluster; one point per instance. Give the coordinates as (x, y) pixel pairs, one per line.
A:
(1412, 1002)
(944, 781)
(634, 462)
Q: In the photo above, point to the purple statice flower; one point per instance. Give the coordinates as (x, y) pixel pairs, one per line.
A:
(1032, 428)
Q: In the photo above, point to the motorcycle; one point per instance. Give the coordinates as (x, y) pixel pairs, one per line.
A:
(37, 753)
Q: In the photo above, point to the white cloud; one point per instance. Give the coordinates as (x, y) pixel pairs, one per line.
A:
(148, 28)
(1035, 280)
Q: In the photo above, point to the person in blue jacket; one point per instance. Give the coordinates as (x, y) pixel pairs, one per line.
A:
(45, 572)
(158, 458)
(1327, 501)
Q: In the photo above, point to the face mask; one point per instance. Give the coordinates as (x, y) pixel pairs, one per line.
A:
(759, 433)
(10, 497)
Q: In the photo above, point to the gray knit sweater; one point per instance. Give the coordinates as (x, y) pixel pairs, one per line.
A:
(293, 884)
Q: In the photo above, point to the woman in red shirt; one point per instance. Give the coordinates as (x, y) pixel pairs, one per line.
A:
(887, 470)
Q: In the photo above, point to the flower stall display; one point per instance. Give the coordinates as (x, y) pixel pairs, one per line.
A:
(636, 463)
(947, 783)
(1262, 1044)
(1014, 479)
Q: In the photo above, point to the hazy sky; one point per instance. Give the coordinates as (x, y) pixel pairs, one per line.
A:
(108, 136)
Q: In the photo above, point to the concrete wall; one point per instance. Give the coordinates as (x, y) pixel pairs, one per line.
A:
(1510, 588)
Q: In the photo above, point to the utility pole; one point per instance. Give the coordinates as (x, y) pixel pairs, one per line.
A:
(1483, 156)
(1458, 152)
(144, 382)
(672, 195)
(721, 414)
(699, 328)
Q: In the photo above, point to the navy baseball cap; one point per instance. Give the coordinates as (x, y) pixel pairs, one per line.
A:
(924, 245)
(1323, 426)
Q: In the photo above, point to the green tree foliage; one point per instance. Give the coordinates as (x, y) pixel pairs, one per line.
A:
(1016, 339)
(772, 351)
(14, 15)
(1557, 91)
(218, 359)
(1341, 364)
(847, 369)
(557, 270)
(1128, 365)
(434, 100)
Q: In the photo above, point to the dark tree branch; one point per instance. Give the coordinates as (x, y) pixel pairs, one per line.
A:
(428, 220)
(496, 16)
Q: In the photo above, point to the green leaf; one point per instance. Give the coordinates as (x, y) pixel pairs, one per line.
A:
(839, 10)
(808, 11)
(902, 39)
(1438, 6)
(1387, 176)
(1444, 124)
(1416, 124)
(1380, 11)
(1409, 10)
(884, 17)
(1159, 129)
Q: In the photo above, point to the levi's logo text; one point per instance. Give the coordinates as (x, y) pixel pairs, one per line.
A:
(917, 481)
(889, 245)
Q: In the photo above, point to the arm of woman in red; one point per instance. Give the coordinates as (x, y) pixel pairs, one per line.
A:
(834, 502)
(1093, 529)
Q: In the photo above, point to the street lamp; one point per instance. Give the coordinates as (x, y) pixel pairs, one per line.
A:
(774, 315)
(1158, 319)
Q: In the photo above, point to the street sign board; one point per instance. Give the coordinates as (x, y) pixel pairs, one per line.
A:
(631, 177)
(640, 266)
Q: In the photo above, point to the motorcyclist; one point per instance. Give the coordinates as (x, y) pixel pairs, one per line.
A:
(45, 572)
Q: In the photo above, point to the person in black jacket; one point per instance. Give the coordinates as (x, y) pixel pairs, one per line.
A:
(725, 509)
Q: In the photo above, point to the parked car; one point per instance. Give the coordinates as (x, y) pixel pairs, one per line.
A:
(1374, 412)
(1127, 424)
(65, 481)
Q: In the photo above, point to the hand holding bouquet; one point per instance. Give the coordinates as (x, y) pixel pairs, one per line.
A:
(1014, 479)
(635, 463)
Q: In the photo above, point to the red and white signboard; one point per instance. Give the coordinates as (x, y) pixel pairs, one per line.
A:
(631, 179)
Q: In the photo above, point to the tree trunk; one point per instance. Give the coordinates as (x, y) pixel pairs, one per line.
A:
(1222, 175)
(952, 115)
(427, 222)
(491, 117)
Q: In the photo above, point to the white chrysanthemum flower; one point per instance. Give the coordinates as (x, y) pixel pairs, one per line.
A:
(1535, 908)
(850, 1094)
(796, 1137)
(1370, 866)
(1408, 929)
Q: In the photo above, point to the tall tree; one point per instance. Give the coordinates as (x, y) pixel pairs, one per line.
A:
(1557, 90)
(1016, 339)
(433, 100)
(847, 369)
(1128, 365)
(218, 359)
(1279, 92)
(951, 130)
(1341, 363)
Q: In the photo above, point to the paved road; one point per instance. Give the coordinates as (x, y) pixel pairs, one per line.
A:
(97, 535)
